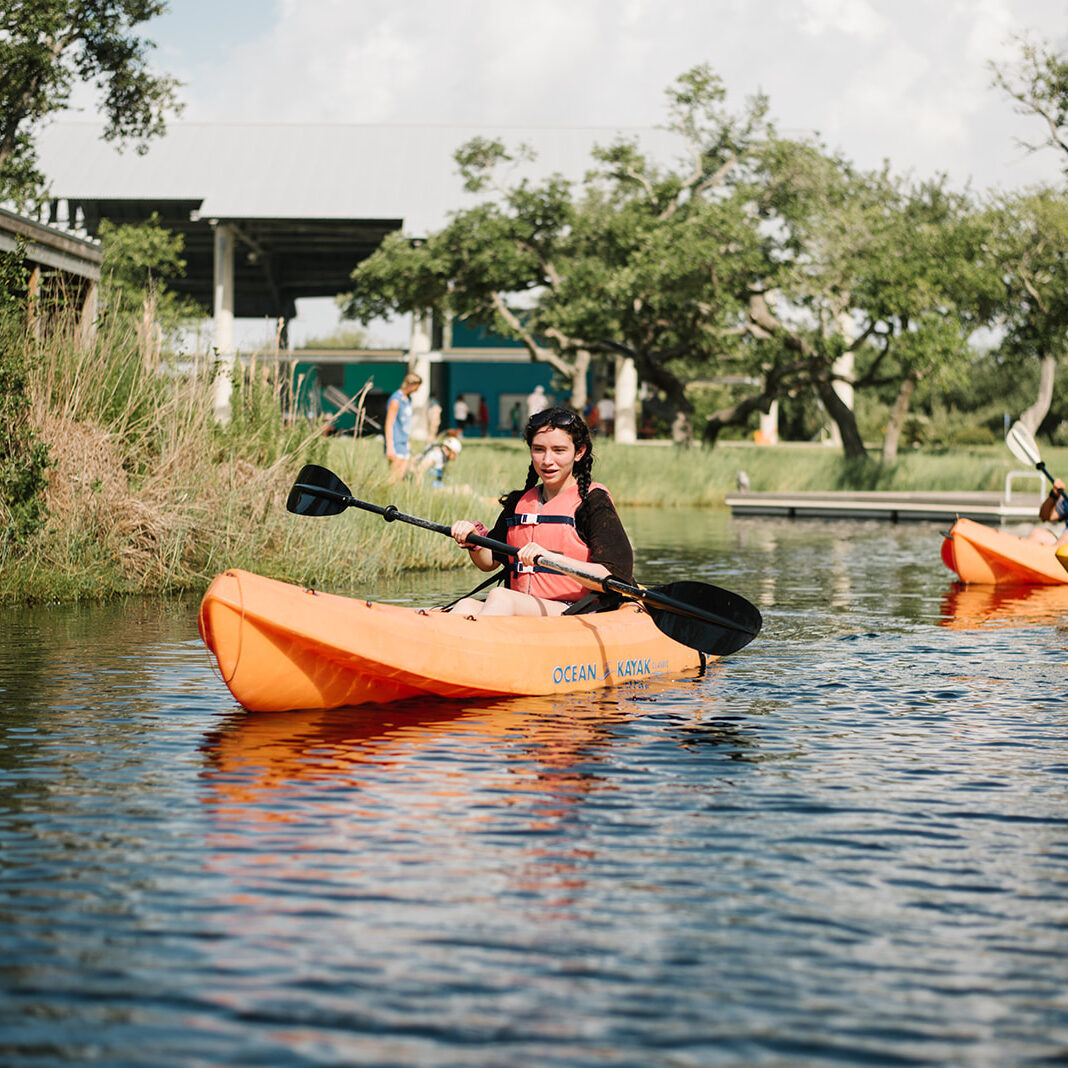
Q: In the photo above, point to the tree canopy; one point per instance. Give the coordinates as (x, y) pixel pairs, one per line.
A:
(762, 260)
(1038, 84)
(46, 48)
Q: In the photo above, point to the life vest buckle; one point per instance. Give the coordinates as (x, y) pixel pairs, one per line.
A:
(526, 519)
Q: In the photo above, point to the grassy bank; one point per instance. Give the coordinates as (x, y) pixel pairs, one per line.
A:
(659, 475)
(148, 494)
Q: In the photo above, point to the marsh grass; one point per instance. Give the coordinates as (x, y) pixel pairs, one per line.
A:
(145, 492)
(664, 476)
(148, 494)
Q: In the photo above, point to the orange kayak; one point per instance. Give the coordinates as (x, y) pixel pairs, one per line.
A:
(281, 647)
(979, 553)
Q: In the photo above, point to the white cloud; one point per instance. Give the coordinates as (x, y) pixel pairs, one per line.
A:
(853, 18)
(907, 80)
(904, 80)
(989, 36)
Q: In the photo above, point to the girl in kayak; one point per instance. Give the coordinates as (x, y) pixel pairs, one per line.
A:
(559, 514)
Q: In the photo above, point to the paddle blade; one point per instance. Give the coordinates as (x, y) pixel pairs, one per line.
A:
(741, 619)
(1022, 445)
(1062, 556)
(318, 491)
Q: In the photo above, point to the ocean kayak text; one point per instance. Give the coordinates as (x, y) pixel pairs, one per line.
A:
(625, 669)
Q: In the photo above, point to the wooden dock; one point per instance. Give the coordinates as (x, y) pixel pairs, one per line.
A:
(989, 508)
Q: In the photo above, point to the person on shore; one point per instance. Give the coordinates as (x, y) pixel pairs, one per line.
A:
(537, 401)
(606, 415)
(461, 413)
(559, 514)
(435, 456)
(483, 416)
(682, 430)
(1054, 508)
(398, 431)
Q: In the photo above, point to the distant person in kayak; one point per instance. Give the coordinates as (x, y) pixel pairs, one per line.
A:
(399, 426)
(559, 514)
(1053, 508)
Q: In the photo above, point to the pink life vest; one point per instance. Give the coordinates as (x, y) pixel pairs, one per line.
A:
(552, 526)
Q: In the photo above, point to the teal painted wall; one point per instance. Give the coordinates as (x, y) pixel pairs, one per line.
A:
(472, 336)
(350, 378)
(502, 385)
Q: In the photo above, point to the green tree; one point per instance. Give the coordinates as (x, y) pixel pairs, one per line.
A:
(935, 283)
(1038, 83)
(818, 218)
(869, 284)
(341, 338)
(644, 264)
(758, 258)
(1030, 235)
(23, 457)
(46, 47)
(1031, 227)
(138, 262)
(484, 263)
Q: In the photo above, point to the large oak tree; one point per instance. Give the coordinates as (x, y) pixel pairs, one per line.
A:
(643, 262)
(753, 257)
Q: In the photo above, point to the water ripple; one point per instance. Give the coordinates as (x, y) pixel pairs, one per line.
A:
(847, 844)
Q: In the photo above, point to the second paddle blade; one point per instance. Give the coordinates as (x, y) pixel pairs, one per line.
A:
(1022, 444)
(317, 491)
(709, 637)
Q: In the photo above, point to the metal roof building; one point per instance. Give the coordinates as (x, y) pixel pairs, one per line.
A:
(274, 213)
(63, 269)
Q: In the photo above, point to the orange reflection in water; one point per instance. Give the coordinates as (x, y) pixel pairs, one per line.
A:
(326, 795)
(966, 607)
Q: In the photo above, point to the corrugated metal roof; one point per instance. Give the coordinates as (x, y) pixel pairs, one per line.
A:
(309, 171)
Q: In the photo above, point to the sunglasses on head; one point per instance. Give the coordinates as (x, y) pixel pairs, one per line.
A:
(551, 417)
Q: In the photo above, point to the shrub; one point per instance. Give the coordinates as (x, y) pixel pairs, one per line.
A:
(23, 457)
(973, 435)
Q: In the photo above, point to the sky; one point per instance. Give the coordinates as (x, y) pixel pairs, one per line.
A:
(908, 81)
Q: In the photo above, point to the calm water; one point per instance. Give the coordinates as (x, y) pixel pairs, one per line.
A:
(847, 844)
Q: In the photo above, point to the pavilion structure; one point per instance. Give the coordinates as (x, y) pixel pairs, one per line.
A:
(64, 270)
(273, 213)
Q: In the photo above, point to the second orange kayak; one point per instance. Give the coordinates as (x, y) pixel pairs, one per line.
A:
(981, 554)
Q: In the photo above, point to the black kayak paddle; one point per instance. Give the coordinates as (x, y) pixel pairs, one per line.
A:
(704, 617)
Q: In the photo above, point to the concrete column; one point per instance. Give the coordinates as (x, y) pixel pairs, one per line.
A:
(769, 425)
(419, 364)
(626, 401)
(223, 316)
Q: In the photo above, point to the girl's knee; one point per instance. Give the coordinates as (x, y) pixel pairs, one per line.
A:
(467, 606)
(498, 599)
